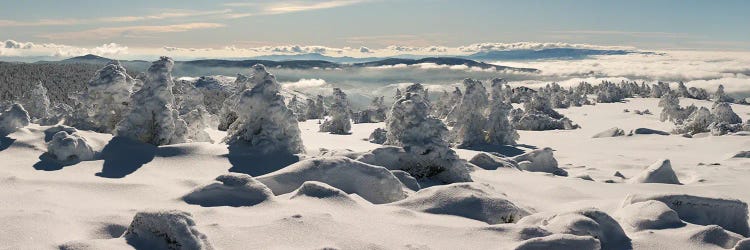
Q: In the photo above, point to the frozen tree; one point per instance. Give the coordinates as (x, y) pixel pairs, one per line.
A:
(470, 119)
(499, 129)
(450, 114)
(376, 112)
(228, 113)
(297, 108)
(698, 93)
(697, 122)
(671, 110)
(609, 93)
(720, 96)
(152, 117)
(656, 91)
(682, 90)
(264, 123)
(316, 108)
(540, 103)
(339, 122)
(398, 94)
(723, 113)
(13, 118)
(442, 105)
(197, 121)
(37, 102)
(105, 99)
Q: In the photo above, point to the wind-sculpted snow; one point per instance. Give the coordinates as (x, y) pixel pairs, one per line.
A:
(373, 183)
(585, 222)
(650, 214)
(729, 214)
(471, 200)
(322, 191)
(340, 120)
(560, 242)
(106, 99)
(659, 172)
(170, 229)
(231, 189)
(612, 132)
(539, 160)
(13, 118)
(491, 162)
(152, 117)
(264, 123)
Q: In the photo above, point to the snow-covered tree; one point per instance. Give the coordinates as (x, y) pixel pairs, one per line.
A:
(316, 108)
(470, 119)
(37, 102)
(723, 113)
(608, 93)
(499, 129)
(228, 114)
(264, 123)
(105, 99)
(697, 122)
(297, 108)
(670, 108)
(721, 96)
(410, 123)
(197, 121)
(451, 112)
(339, 121)
(682, 90)
(152, 117)
(375, 112)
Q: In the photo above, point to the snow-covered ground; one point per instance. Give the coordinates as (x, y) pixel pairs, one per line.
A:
(90, 204)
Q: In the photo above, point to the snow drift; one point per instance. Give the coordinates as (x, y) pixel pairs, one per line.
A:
(650, 214)
(231, 189)
(584, 222)
(539, 160)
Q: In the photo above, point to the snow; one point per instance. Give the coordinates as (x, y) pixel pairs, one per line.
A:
(65, 146)
(339, 121)
(470, 200)
(650, 214)
(612, 132)
(539, 160)
(231, 189)
(584, 222)
(373, 183)
(659, 172)
(105, 100)
(13, 118)
(167, 230)
(322, 191)
(560, 241)
(492, 162)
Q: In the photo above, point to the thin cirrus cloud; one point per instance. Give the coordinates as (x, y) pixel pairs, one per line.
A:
(129, 31)
(275, 8)
(116, 19)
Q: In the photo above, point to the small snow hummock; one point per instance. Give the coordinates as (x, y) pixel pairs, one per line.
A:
(539, 160)
(340, 121)
(322, 191)
(659, 172)
(612, 132)
(585, 222)
(491, 161)
(152, 117)
(373, 183)
(264, 122)
(13, 118)
(66, 146)
(409, 181)
(560, 242)
(650, 214)
(470, 200)
(170, 229)
(232, 189)
(729, 214)
(713, 234)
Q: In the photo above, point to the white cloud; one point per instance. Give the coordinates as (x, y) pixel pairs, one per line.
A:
(11, 44)
(484, 47)
(364, 50)
(280, 7)
(171, 14)
(128, 31)
(305, 84)
(109, 49)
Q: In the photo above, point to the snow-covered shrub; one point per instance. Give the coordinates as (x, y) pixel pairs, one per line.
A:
(539, 160)
(171, 229)
(105, 100)
(499, 129)
(37, 102)
(727, 213)
(339, 122)
(671, 110)
(264, 122)
(723, 113)
(697, 122)
(152, 117)
(378, 136)
(651, 214)
(13, 118)
(373, 183)
(420, 138)
(316, 108)
(232, 189)
(65, 146)
(197, 120)
(298, 108)
(470, 200)
(538, 121)
(540, 104)
(720, 96)
(376, 112)
(698, 93)
(608, 93)
(658, 172)
(682, 90)
(584, 222)
(470, 120)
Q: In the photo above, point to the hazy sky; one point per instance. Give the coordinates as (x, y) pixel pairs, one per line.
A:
(706, 25)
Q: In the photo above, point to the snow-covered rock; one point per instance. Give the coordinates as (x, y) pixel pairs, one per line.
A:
(650, 214)
(539, 160)
(409, 181)
(729, 214)
(471, 200)
(585, 222)
(742, 154)
(13, 118)
(658, 172)
(65, 146)
(373, 183)
(264, 122)
(232, 189)
(339, 121)
(152, 117)
(170, 229)
(378, 136)
(560, 242)
(439, 163)
(106, 99)
(491, 162)
(612, 132)
(646, 131)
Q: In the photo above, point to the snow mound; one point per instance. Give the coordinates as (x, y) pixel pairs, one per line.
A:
(66, 146)
(742, 154)
(375, 184)
(48, 133)
(729, 214)
(649, 214)
(647, 131)
(409, 181)
(440, 163)
(469, 200)
(165, 230)
(13, 118)
(233, 189)
(320, 190)
(539, 160)
(584, 222)
(612, 132)
(743, 244)
(715, 235)
(560, 242)
(659, 172)
(492, 162)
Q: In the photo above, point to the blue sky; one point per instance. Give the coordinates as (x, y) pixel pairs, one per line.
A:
(703, 25)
